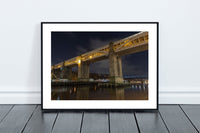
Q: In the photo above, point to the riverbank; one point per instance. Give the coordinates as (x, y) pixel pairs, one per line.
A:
(93, 83)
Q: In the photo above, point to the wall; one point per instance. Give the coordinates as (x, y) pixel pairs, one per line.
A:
(20, 42)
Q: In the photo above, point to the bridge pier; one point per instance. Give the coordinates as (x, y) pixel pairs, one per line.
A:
(115, 66)
(69, 73)
(63, 74)
(119, 63)
(83, 71)
(66, 72)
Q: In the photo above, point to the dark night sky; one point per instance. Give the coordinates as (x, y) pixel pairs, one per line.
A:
(66, 45)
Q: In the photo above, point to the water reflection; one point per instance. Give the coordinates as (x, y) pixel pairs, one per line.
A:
(134, 92)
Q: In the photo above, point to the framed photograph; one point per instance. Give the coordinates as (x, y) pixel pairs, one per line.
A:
(99, 65)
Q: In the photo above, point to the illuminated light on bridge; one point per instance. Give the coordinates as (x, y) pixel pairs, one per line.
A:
(79, 61)
(113, 52)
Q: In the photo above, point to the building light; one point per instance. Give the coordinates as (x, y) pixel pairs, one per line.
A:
(90, 56)
(79, 61)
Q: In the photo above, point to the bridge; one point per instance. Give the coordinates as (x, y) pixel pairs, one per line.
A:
(113, 52)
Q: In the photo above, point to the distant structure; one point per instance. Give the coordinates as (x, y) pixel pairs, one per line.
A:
(113, 52)
(136, 79)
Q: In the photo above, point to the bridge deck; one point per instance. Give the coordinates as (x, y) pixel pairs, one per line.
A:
(132, 44)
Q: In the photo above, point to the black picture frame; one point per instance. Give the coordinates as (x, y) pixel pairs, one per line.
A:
(102, 109)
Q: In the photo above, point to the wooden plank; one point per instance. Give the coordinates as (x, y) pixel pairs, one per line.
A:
(16, 119)
(94, 122)
(40, 122)
(193, 112)
(175, 119)
(122, 122)
(4, 109)
(150, 122)
(68, 122)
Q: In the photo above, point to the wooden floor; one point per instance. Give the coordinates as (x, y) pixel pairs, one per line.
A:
(169, 118)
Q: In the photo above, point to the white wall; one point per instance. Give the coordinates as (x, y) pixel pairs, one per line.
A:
(20, 41)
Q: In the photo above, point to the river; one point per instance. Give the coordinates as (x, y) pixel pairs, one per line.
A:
(98, 93)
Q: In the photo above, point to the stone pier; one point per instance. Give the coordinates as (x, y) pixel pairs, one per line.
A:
(115, 66)
(66, 72)
(83, 71)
